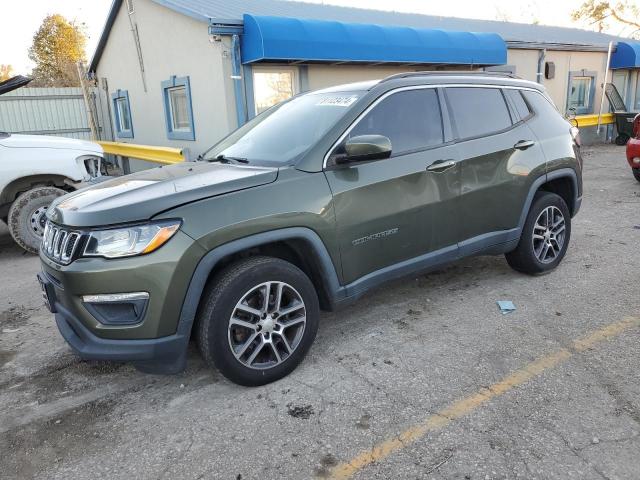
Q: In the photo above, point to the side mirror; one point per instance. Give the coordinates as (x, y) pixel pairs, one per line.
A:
(366, 147)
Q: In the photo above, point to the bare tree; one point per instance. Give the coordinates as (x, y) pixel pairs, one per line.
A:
(603, 13)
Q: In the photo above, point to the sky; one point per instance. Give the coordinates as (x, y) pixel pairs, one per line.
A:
(20, 19)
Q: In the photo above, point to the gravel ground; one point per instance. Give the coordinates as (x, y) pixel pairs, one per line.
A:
(377, 369)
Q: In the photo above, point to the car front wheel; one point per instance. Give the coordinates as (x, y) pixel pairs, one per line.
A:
(27, 216)
(545, 236)
(258, 319)
(636, 173)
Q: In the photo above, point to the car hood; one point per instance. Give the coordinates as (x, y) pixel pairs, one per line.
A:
(142, 195)
(44, 141)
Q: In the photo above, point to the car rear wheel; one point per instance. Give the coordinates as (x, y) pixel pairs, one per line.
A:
(27, 216)
(636, 173)
(545, 236)
(258, 319)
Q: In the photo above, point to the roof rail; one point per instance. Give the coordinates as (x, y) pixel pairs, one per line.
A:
(456, 73)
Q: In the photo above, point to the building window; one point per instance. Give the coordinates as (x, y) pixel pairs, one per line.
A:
(636, 102)
(178, 112)
(272, 85)
(122, 114)
(582, 89)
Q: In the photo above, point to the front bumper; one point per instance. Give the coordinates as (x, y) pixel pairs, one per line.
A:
(157, 355)
(154, 344)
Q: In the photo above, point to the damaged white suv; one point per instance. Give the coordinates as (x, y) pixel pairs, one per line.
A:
(34, 170)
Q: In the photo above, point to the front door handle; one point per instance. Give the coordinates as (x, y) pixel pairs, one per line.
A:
(524, 144)
(441, 165)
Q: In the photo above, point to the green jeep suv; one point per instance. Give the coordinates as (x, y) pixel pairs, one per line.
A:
(308, 206)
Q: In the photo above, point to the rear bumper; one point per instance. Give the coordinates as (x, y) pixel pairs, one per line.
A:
(157, 355)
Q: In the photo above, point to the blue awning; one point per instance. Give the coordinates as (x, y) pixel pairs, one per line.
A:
(293, 39)
(627, 55)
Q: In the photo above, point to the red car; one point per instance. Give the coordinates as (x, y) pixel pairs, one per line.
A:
(633, 148)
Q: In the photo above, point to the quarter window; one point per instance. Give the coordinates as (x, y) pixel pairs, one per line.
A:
(122, 114)
(478, 111)
(177, 108)
(582, 86)
(411, 119)
(518, 102)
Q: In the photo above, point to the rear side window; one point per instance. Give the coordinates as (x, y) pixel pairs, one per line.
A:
(411, 119)
(478, 111)
(518, 102)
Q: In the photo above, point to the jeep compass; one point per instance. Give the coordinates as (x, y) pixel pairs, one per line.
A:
(306, 207)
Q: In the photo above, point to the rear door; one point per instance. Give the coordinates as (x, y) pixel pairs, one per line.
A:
(499, 157)
(395, 209)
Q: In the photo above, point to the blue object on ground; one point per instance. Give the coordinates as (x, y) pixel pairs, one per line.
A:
(506, 306)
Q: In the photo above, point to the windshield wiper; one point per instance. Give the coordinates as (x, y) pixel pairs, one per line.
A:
(225, 159)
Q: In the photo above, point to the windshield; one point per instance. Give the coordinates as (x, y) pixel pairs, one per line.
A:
(285, 132)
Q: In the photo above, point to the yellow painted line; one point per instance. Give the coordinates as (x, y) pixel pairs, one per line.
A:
(468, 404)
(150, 153)
(592, 120)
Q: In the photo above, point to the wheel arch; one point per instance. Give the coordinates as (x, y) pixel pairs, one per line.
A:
(22, 184)
(298, 245)
(563, 182)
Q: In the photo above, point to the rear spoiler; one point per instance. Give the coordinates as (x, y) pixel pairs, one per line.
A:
(13, 83)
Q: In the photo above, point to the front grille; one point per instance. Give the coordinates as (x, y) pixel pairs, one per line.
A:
(60, 244)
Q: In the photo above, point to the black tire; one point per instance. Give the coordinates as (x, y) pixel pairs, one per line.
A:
(525, 258)
(622, 139)
(25, 230)
(219, 303)
(636, 173)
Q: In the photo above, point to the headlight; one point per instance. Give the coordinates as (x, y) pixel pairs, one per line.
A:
(134, 240)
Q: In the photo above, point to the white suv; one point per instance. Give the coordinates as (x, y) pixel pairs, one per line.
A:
(34, 170)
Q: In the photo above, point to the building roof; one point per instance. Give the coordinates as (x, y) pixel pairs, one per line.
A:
(515, 34)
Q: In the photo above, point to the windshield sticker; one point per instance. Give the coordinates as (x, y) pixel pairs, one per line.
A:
(337, 101)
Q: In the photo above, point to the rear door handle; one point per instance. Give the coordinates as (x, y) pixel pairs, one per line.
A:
(524, 144)
(441, 165)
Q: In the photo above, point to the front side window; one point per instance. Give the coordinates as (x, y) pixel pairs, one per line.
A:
(272, 86)
(478, 111)
(285, 132)
(411, 119)
(177, 108)
(122, 114)
(581, 92)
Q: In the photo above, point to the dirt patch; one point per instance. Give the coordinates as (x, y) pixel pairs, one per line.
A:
(35, 447)
(6, 356)
(327, 462)
(16, 316)
(300, 411)
(363, 422)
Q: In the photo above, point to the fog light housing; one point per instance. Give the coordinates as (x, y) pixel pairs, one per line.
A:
(636, 160)
(117, 309)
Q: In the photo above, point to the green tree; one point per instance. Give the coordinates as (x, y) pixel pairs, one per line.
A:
(603, 13)
(6, 72)
(57, 47)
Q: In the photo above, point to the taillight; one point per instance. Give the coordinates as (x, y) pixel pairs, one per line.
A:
(575, 134)
(636, 126)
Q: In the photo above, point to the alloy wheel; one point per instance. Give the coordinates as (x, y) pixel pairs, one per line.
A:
(549, 234)
(267, 325)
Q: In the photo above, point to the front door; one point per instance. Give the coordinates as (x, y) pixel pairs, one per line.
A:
(393, 210)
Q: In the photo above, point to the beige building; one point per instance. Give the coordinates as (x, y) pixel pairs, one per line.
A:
(185, 73)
